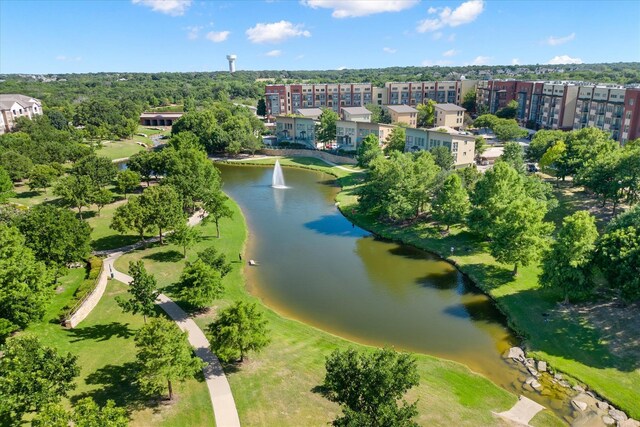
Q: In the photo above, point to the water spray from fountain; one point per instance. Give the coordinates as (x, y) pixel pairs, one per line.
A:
(278, 179)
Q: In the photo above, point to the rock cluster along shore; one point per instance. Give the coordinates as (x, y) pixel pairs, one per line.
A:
(589, 408)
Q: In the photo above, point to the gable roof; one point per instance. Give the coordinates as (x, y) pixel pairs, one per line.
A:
(401, 108)
(7, 100)
(356, 110)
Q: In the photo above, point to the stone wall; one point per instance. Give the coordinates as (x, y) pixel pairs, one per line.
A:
(309, 153)
(89, 302)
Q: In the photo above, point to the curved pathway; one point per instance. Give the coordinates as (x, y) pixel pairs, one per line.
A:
(224, 407)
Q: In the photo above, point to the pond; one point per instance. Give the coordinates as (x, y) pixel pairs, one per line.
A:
(317, 267)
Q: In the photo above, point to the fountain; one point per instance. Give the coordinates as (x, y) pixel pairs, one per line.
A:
(278, 179)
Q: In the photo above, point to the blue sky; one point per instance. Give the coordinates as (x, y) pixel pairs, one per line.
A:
(191, 35)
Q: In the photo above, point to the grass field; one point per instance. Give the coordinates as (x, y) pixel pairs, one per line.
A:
(105, 348)
(119, 149)
(25, 197)
(279, 386)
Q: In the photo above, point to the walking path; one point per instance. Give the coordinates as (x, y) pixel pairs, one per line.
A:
(224, 407)
(522, 412)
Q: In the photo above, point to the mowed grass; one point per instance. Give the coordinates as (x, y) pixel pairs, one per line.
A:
(26, 197)
(119, 149)
(280, 385)
(568, 344)
(105, 348)
(300, 162)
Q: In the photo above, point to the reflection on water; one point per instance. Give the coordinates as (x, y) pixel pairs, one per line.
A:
(317, 267)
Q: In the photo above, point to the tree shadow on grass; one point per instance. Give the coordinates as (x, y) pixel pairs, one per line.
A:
(321, 390)
(117, 383)
(27, 194)
(114, 241)
(490, 276)
(101, 332)
(166, 256)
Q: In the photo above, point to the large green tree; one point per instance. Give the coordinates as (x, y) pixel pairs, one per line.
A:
(6, 186)
(513, 155)
(86, 413)
(132, 216)
(41, 177)
(426, 114)
(443, 157)
(200, 284)
(217, 260)
(508, 112)
(369, 385)
(143, 291)
(542, 141)
(31, 376)
(215, 204)
(469, 101)
(395, 140)
(567, 265)
(162, 208)
(75, 191)
(326, 128)
(25, 284)
(368, 149)
(127, 181)
(100, 170)
(163, 356)
(237, 330)
(17, 165)
(451, 202)
(55, 235)
(185, 236)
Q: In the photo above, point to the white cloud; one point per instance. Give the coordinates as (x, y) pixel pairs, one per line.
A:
(68, 58)
(465, 13)
(515, 61)
(276, 32)
(389, 50)
(564, 59)
(432, 10)
(217, 36)
(193, 32)
(555, 41)
(168, 7)
(274, 53)
(353, 9)
(481, 60)
(450, 52)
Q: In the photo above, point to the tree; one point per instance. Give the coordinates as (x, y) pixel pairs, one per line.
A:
(131, 216)
(100, 170)
(451, 203)
(163, 356)
(199, 284)
(426, 114)
(25, 284)
(31, 376)
(508, 130)
(582, 146)
(508, 112)
(86, 413)
(162, 208)
(376, 112)
(542, 141)
(469, 101)
(603, 176)
(75, 191)
(215, 204)
(520, 233)
(185, 236)
(368, 386)
(548, 161)
(41, 177)
(443, 157)
(6, 186)
(396, 140)
(143, 290)
(567, 265)
(368, 150)
(211, 257)
(101, 198)
(470, 177)
(486, 121)
(127, 181)
(189, 104)
(480, 145)
(237, 330)
(513, 155)
(261, 108)
(55, 235)
(146, 163)
(326, 129)
(17, 166)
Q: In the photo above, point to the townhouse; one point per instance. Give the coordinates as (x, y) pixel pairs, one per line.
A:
(449, 115)
(350, 134)
(14, 106)
(461, 144)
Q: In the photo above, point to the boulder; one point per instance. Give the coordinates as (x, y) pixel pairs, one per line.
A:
(530, 362)
(530, 380)
(607, 420)
(629, 423)
(542, 366)
(533, 372)
(516, 353)
(603, 406)
(582, 406)
(536, 385)
(578, 388)
(618, 415)
(558, 376)
(564, 383)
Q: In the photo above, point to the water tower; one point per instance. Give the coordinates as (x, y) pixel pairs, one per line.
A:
(232, 63)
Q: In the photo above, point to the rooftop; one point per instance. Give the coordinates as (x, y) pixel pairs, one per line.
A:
(449, 107)
(309, 112)
(161, 115)
(401, 108)
(7, 100)
(356, 110)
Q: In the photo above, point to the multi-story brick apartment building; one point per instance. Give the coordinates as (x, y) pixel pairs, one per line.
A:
(285, 99)
(14, 106)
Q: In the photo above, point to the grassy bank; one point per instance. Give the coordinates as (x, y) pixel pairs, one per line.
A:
(105, 348)
(280, 385)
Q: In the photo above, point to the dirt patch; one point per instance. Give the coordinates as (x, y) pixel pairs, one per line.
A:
(618, 324)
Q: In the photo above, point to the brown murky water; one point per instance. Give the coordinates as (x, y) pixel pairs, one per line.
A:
(315, 266)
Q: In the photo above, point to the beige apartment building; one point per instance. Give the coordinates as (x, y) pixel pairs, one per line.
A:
(603, 107)
(403, 114)
(461, 144)
(350, 134)
(449, 115)
(356, 114)
(14, 106)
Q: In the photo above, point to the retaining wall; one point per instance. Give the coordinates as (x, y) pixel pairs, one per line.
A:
(89, 302)
(308, 153)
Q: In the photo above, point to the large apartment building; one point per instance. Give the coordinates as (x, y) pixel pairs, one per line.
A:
(14, 106)
(567, 105)
(285, 99)
(461, 144)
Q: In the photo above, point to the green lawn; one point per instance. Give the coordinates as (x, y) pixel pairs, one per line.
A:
(104, 345)
(302, 163)
(25, 197)
(279, 386)
(120, 149)
(569, 345)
